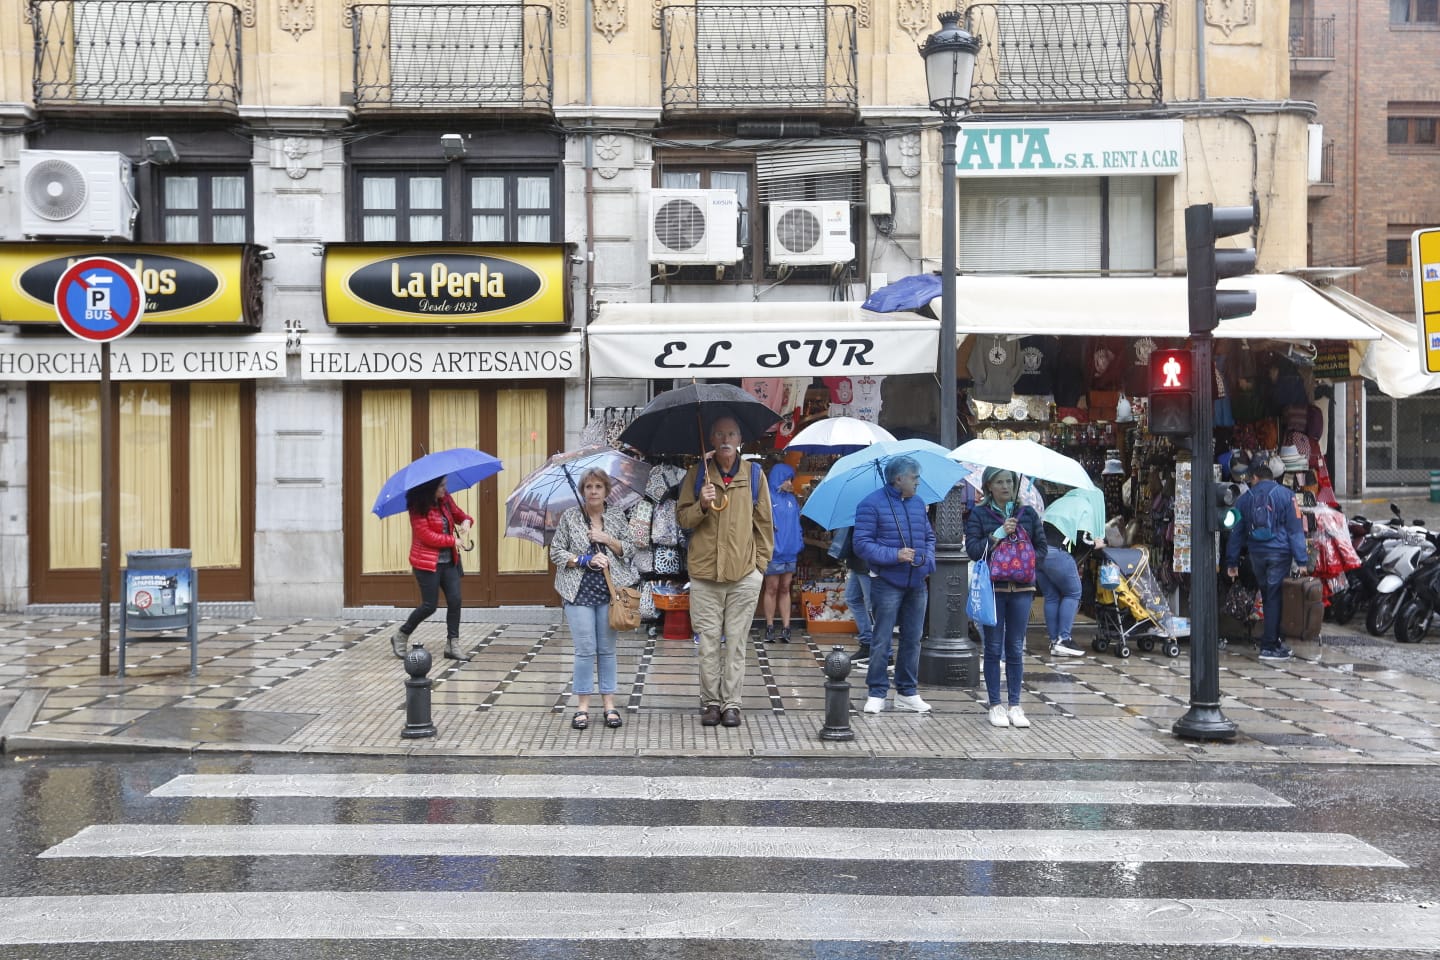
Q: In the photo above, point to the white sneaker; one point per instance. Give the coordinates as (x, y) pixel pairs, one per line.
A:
(912, 702)
(998, 716)
(1065, 648)
(1018, 718)
(874, 704)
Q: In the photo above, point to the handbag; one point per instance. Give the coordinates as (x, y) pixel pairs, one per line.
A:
(980, 605)
(1239, 603)
(667, 561)
(664, 528)
(1013, 559)
(640, 516)
(624, 605)
(647, 601)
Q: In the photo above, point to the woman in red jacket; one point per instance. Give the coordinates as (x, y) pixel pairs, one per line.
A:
(438, 527)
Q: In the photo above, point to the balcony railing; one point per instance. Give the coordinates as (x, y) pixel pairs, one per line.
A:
(1327, 165)
(1066, 53)
(448, 56)
(758, 57)
(1312, 38)
(136, 53)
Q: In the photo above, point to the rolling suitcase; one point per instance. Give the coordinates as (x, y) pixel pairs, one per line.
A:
(1302, 608)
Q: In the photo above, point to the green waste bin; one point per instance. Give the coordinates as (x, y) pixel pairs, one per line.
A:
(1435, 486)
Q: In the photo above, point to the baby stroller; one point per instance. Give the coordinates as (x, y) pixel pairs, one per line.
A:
(1129, 604)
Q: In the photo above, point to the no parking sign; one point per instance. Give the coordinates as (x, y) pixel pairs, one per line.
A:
(99, 299)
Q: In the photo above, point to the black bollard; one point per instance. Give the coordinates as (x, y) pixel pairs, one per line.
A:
(837, 697)
(417, 695)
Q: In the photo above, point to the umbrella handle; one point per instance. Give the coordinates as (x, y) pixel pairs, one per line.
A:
(720, 506)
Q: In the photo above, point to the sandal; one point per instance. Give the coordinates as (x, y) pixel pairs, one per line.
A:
(612, 719)
(581, 720)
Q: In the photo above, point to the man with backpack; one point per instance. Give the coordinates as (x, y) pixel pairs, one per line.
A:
(1269, 523)
(726, 508)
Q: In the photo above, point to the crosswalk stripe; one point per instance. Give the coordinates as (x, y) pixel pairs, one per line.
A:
(795, 843)
(338, 915)
(1145, 793)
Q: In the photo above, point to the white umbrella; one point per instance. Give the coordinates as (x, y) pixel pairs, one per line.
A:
(1027, 458)
(838, 435)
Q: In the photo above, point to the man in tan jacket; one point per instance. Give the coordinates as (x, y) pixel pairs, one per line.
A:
(731, 539)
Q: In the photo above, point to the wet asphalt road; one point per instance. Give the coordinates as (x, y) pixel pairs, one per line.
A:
(48, 801)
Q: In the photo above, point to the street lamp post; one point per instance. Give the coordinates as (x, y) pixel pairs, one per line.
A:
(947, 657)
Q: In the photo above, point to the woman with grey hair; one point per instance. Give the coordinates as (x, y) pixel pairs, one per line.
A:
(893, 535)
(999, 525)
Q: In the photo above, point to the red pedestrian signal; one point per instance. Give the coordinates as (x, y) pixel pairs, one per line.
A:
(1170, 371)
(1171, 393)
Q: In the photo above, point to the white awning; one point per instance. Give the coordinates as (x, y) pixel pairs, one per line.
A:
(1287, 308)
(653, 341)
(1393, 361)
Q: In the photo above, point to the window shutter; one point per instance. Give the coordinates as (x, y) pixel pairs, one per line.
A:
(467, 52)
(760, 52)
(1029, 224)
(829, 171)
(142, 51)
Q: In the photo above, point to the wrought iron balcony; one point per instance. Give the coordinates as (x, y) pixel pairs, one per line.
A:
(758, 57)
(1066, 53)
(136, 53)
(449, 56)
(1312, 38)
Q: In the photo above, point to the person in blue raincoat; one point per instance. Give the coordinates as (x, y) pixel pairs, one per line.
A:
(775, 593)
(893, 534)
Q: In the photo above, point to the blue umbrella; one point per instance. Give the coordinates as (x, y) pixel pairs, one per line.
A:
(1077, 510)
(461, 467)
(907, 293)
(853, 477)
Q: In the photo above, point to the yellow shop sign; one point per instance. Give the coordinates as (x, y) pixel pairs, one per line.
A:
(209, 284)
(382, 285)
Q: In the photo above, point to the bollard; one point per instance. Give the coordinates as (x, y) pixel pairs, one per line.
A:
(837, 697)
(417, 695)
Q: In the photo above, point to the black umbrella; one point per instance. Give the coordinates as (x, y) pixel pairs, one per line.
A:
(677, 421)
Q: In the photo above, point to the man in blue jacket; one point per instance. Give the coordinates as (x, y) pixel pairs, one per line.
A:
(893, 535)
(1269, 522)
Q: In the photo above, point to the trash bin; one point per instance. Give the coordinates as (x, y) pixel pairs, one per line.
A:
(1435, 486)
(159, 589)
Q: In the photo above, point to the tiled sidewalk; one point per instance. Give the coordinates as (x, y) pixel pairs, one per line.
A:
(333, 686)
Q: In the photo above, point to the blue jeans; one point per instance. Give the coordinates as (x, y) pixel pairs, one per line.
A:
(1270, 569)
(857, 598)
(1006, 640)
(445, 576)
(1059, 580)
(594, 640)
(907, 606)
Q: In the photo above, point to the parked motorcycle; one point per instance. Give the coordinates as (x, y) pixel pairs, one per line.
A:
(1418, 614)
(1401, 559)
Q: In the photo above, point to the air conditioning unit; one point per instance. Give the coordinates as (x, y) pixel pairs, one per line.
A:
(694, 226)
(810, 232)
(76, 193)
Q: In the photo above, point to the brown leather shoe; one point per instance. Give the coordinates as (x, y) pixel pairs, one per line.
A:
(731, 717)
(710, 715)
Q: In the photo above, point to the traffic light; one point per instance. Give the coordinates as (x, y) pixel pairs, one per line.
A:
(1225, 514)
(1204, 224)
(1171, 393)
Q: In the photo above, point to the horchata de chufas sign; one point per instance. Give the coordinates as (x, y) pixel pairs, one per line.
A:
(376, 284)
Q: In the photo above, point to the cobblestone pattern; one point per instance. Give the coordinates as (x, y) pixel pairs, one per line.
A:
(339, 680)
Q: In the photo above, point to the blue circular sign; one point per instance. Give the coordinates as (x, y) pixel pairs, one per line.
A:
(99, 299)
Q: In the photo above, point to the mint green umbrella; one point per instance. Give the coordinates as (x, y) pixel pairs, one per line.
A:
(1078, 510)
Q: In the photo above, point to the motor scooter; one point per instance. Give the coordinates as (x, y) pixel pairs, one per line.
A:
(1402, 558)
(1418, 613)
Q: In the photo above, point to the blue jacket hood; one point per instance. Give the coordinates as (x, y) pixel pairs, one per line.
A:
(779, 474)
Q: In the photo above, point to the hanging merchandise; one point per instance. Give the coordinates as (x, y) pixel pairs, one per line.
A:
(1038, 355)
(995, 365)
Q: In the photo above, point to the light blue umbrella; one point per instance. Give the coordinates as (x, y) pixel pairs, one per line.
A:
(853, 477)
(461, 467)
(1078, 510)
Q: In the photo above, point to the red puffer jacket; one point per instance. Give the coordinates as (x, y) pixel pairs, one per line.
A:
(429, 536)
